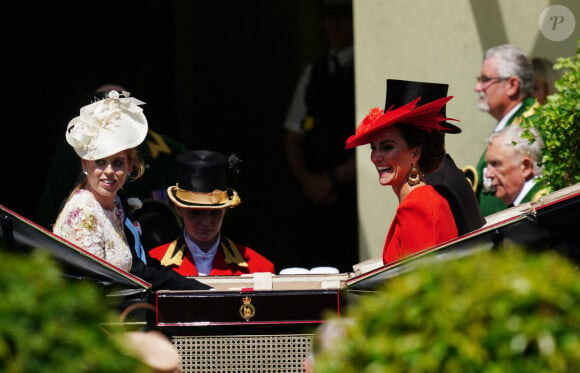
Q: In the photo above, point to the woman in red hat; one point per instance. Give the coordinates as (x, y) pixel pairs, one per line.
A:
(406, 143)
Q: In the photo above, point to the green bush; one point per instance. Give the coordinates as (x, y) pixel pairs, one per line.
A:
(559, 123)
(49, 324)
(494, 311)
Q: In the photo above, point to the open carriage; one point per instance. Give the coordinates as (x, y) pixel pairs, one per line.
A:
(265, 322)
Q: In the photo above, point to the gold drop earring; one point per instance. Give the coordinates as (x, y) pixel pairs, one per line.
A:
(414, 178)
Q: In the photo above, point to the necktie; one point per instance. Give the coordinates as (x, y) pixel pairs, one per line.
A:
(138, 247)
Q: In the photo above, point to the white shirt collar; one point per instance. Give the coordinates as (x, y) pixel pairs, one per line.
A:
(503, 122)
(526, 188)
(203, 260)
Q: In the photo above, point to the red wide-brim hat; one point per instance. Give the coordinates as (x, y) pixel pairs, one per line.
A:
(426, 117)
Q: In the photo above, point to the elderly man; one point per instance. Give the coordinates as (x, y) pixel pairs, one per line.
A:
(504, 86)
(514, 164)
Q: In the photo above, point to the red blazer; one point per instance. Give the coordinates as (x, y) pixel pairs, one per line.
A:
(423, 219)
(255, 261)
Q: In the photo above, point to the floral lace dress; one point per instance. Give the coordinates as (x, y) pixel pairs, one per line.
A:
(85, 223)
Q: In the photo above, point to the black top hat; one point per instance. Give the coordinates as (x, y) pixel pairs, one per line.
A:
(201, 181)
(401, 92)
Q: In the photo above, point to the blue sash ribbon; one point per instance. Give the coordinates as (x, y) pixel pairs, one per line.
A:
(138, 247)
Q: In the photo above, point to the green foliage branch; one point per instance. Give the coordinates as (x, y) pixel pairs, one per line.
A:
(50, 324)
(558, 121)
(495, 311)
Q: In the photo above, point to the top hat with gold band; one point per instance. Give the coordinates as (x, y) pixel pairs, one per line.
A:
(201, 181)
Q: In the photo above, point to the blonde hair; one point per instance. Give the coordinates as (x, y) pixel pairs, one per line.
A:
(138, 165)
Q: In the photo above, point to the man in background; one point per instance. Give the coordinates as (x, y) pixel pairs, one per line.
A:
(514, 164)
(320, 118)
(504, 87)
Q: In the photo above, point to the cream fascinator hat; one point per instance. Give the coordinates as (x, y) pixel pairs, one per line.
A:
(107, 127)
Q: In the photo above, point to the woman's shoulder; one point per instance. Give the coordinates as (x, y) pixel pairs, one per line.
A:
(420, 192)
(82, 197)
(424, 197)
(79, 206)
(80, 200)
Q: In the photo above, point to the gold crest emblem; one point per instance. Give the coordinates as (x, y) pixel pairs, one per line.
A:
(247, 309)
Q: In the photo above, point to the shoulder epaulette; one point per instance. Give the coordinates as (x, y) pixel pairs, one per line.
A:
(174, 253)
(531, 110)
(527, 113)
(232, 254)
(156, 144)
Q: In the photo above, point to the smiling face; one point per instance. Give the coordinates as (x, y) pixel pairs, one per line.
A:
(392, 157)
(106, 176)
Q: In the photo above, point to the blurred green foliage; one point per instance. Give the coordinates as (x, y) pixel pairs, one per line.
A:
(50, 324)
(559, 123)
(491, 312)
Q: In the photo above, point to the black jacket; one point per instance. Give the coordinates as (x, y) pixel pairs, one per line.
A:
(450, 182)
(159, 276)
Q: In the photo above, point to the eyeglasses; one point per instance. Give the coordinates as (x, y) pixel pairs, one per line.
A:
(485, 79)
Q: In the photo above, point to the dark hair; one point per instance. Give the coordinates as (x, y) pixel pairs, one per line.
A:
(336, 8)
(159, 223)
(432, 145)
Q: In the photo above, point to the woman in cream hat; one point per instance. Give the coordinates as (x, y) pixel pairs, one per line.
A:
(95, 216)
